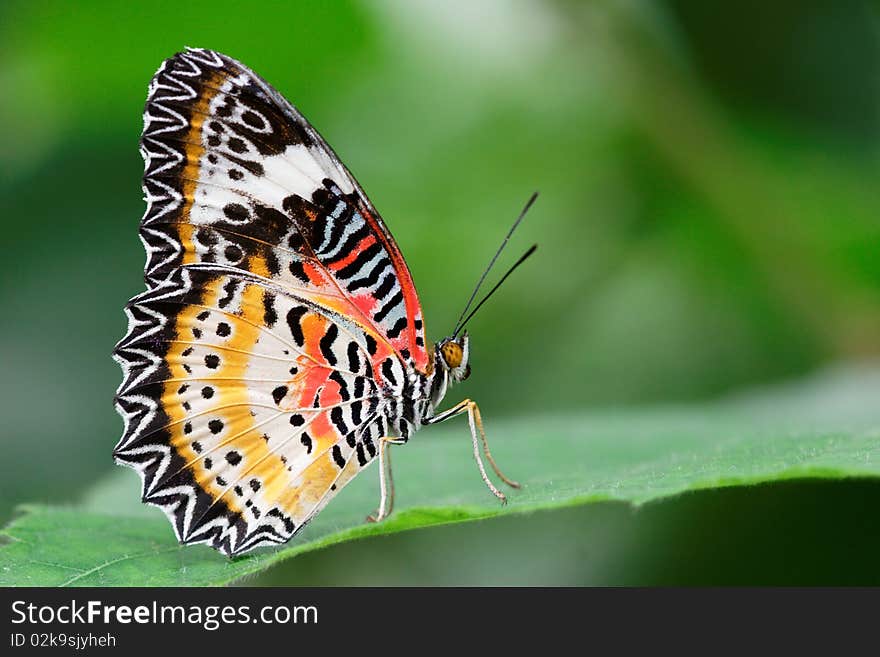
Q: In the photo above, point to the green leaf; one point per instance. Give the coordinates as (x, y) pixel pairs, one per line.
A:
(827, 428)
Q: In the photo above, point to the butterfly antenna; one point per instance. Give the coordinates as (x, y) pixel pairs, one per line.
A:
(460, 324)
(521, 260)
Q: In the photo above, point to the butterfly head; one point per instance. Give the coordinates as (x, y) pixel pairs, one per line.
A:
(452, 355)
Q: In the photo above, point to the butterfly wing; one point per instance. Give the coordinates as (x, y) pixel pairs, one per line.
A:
(277, 315)
(235, 175)
(247, 408)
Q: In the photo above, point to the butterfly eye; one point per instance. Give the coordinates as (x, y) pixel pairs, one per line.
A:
(452, 354)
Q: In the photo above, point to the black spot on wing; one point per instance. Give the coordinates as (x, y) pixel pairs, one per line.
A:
(232, 253)
(326, 344)
(354, 359)
(356, 412)
(359, 385)
(294, 317)
(337, 457)
(337, 378)
(237, 145)
(388, 371)
(336, 416)
(229, 288)
(236, 212)
(206, 236)
(253, 119)
(270, 316)
(298, 271)
(279, 393)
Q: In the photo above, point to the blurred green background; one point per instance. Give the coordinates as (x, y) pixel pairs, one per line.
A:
(709, 220)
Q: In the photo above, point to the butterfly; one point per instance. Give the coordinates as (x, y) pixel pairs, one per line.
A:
(279, 347)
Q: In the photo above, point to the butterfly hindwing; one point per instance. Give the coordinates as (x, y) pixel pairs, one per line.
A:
(246, 408)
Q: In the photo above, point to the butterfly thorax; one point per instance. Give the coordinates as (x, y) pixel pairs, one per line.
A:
(406, 409)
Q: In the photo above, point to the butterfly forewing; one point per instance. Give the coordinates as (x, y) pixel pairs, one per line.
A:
(235, 176)
(277, 314)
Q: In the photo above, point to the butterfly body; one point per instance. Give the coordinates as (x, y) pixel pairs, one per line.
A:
(279, 347)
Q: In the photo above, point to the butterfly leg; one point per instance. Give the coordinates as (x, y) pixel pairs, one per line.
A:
(476, 422)
(475, 411)
(386, 481)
